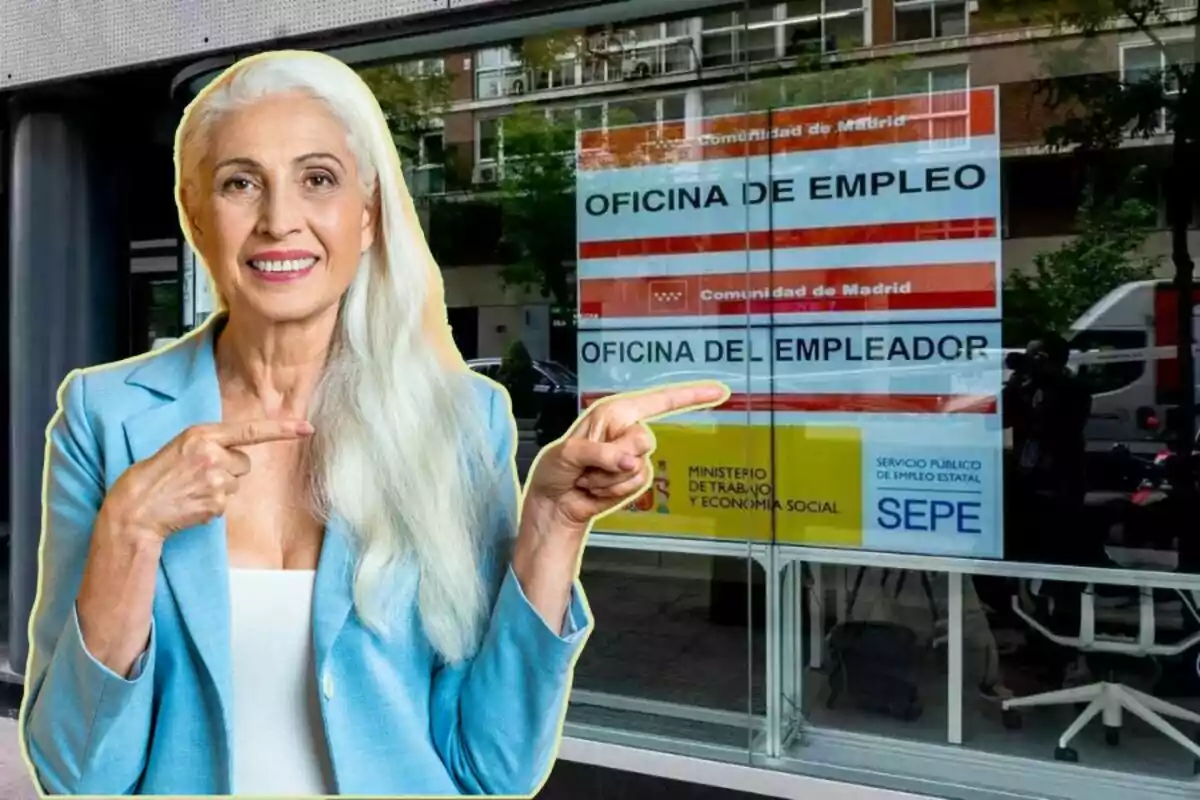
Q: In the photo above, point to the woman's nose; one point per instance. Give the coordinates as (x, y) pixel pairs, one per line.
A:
(280, 213)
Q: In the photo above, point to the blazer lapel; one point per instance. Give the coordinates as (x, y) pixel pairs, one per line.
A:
(195, 561)
(332, 598)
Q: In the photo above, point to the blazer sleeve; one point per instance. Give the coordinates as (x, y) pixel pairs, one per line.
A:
(498, 718)
(86, 730)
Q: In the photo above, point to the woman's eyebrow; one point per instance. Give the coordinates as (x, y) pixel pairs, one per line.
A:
(244, 161)
(238, 161)
(330, 156)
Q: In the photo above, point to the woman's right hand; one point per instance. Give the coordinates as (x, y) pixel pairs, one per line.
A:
(189, 481)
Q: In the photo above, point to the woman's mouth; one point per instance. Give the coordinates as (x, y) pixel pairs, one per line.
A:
(282, 269)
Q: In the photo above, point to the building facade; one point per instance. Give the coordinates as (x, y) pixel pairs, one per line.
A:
(689, 66)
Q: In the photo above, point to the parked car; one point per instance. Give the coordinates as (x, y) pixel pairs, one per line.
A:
(555, 392)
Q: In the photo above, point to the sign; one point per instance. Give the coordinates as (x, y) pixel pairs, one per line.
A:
(839, 268)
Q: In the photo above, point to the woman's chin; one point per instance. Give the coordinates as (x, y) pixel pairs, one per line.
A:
(287, 308)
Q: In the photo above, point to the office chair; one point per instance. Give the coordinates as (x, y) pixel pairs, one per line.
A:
(1110, 700)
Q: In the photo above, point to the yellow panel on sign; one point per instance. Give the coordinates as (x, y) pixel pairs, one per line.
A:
(717, 482)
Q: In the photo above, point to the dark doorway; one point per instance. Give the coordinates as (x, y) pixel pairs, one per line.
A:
(464, 324)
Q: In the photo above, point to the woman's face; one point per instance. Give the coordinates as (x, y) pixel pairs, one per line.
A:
(280, 214)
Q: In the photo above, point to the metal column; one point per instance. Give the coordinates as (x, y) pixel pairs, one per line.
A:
(68, 298)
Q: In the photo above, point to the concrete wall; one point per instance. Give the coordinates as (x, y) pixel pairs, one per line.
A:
(504, 314)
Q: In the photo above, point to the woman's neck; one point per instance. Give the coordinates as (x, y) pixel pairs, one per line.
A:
(274, 366)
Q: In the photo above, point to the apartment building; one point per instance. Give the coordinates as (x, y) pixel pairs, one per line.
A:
(690, 66)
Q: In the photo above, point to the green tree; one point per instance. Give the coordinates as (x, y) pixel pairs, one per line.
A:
(412, 102)
(536, 192)
(1099, 110)
(517, 374)
(813, 79)
(1066, 281)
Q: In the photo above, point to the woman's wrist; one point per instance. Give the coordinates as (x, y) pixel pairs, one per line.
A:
(546, 559)
(117, 524)
(546, 535)
(114, 625)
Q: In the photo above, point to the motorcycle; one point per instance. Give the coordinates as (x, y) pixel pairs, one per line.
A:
(1147, 511)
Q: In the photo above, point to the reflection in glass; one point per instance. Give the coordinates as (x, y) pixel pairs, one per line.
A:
(913, 23)
(876, 656)
(843, 33)
(489, 139)
(671, 631)
(950, 20)
(1100, 674)
(915, 670)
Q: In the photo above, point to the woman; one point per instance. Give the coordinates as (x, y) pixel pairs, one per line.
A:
(283, 555)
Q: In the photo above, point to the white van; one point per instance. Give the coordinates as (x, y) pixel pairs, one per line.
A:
(1125, 349)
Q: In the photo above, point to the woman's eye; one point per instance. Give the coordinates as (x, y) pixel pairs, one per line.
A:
(320, 180)
(238, 185)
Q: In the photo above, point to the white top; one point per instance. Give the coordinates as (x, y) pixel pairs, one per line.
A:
(278, 738)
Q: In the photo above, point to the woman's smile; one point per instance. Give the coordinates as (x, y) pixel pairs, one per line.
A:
(282, 266)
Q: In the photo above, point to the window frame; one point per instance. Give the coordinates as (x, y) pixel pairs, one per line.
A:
(576, 110)
(779, 24)
(1168, 39)
(737, 91)
(626, 47)
(931, 6)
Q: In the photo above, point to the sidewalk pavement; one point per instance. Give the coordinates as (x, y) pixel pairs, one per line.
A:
(14, 776)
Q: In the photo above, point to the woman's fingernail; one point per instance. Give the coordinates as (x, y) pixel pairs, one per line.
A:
(305, 427)
(628, 462)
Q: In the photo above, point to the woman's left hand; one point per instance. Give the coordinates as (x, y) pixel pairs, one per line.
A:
(603, 462)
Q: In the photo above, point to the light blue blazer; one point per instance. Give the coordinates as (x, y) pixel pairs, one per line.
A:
(397, 720)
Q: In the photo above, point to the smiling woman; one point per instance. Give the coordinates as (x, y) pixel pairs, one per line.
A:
(354, 601)
(271, 174)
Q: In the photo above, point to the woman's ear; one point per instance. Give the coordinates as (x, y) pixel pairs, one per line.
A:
(370, 220)
(187, 199)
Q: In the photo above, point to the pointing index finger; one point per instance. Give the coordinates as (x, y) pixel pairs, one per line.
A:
(677, 398)
(242, 434)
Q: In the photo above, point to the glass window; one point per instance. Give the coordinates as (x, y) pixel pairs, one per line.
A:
(939, 277)
(591, 116)
(674, 107)
(1100, 362)
(757, 44)
(926, 19)
(802, 8)
(1152, 64)
(677, 28)
(720, 50)
(499, 72)
(489, 139)
(800, 28)
(950, 20)
(627, 112)
(945, 79)
(843, 33)
(914, 23)
(804, 38)
(758, 14)
(722, 101)
(721, 20)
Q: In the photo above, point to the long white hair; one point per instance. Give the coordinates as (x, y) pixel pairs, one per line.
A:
(399, 450)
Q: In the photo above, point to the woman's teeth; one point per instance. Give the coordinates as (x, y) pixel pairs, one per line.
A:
(292, 265)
